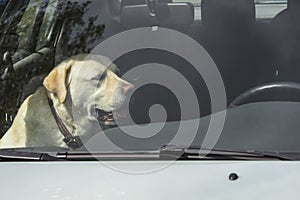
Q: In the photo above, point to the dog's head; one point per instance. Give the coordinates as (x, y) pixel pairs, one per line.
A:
(90, 83)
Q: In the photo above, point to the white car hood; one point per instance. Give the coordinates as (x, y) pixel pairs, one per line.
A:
(179, 180)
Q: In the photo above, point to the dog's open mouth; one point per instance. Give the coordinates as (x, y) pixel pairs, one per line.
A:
(106, 118)
(109, 118)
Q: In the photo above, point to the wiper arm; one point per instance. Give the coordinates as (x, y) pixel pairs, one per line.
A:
(199, 153)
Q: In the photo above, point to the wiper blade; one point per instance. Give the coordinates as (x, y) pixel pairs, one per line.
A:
(108, 156)
(62, 154)
(12, 155)
(199, 153)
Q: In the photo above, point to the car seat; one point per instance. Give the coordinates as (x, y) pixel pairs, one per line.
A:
(286, 43)
(229, 37)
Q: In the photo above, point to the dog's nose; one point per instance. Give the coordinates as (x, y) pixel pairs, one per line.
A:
(127, 88)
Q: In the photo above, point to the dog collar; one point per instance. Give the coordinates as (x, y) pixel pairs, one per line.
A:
(71, 141)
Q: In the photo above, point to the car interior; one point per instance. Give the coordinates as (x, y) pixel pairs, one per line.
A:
(248, 51)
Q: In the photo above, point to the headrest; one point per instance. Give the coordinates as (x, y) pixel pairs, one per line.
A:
(221, 14)
(167, 15)
(115, 6)
(132, 2)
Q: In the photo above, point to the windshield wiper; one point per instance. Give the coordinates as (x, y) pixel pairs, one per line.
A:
(171, 152)
(30, 154)
(10, 155)
(167, 152)
(62, 154)
(199, 153)
(108, 156)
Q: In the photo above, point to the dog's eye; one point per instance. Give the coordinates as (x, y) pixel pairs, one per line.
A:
(100, 77)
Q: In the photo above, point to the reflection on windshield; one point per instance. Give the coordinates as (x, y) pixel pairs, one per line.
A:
(15, 85)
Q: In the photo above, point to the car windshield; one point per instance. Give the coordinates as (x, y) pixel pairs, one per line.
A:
(140, 74)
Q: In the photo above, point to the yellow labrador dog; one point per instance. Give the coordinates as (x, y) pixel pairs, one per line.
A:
(63, 112)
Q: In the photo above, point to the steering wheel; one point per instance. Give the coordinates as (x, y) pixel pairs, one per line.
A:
(274, 91)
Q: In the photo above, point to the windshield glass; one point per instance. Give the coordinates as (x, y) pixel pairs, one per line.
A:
(140, 74)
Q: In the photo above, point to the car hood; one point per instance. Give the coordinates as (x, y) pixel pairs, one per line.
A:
(150, 180)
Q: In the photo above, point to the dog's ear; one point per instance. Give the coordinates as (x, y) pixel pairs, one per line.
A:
(55, 82)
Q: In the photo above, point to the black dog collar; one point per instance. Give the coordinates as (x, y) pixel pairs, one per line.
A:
(71, 141)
